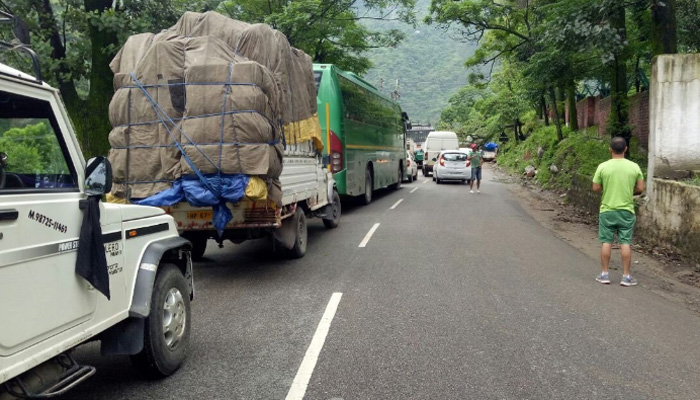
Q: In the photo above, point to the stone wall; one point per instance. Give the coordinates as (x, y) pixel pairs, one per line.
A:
(582, 196)
(595, 111)
(670, 217)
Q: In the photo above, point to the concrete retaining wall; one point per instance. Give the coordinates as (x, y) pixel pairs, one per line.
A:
(674, 135)
(670, 218)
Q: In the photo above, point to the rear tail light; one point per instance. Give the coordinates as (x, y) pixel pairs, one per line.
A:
(408, 163)
(442, 162)
(336, 150)
(468, 163)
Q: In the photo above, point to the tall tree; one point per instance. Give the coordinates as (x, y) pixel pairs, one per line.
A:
(328, 30)
(76, 41)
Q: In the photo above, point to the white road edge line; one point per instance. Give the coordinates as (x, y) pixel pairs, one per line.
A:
(426, 181)
(414, 189)
(396, 204)
(369, 234)
(306, 369)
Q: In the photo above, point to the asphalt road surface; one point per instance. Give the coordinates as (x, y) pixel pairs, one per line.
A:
(453, 296)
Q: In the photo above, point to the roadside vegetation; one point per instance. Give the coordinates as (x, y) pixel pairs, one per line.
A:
(557, 161)
(537, 58)
(77, 39)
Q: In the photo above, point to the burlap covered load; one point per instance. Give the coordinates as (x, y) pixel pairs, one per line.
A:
(292, 68)
(219, 107)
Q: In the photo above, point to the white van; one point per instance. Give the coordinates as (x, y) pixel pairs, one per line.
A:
(436, 142)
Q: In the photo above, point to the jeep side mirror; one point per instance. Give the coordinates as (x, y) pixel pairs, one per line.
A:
(98, 174)
(434, 159)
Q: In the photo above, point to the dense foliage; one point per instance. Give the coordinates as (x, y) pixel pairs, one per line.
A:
(539, 54)
(77, 39)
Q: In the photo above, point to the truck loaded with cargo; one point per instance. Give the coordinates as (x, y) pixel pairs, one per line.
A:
(215, 121)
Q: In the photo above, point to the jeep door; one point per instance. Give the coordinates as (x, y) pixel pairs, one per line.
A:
(40, 220)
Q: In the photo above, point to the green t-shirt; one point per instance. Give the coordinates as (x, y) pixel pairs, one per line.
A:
(475, 159)
(419, 155)
(618, 177)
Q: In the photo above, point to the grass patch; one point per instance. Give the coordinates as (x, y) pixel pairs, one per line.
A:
(579, 153)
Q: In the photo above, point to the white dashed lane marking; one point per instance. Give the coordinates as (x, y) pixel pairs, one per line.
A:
(369, 234)
(396, 204)
(306, 369)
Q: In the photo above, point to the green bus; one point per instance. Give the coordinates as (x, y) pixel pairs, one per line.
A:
(366, 132)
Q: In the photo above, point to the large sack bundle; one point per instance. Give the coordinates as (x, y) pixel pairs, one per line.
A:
(219, 107)
(292, 68)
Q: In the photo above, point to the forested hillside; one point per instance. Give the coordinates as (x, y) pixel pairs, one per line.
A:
(429, 65)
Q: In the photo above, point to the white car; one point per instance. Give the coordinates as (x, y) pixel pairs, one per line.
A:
(452, 165)
(411, 173)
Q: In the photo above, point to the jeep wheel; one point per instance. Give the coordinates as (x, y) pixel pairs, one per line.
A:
(167, 330)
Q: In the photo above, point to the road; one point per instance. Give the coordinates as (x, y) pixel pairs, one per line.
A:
(454, 296)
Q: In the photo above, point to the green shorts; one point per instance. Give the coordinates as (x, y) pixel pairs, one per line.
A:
(618, 221)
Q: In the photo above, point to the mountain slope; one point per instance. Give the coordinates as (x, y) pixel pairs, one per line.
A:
(429, 65)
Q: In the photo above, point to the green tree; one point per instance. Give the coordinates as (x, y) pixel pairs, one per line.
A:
(328, 30)
(32, 148)
(77, 39)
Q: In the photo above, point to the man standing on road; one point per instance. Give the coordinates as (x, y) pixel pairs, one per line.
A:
(619, 179)
(476, 159)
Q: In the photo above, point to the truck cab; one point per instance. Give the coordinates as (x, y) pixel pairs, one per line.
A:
(73, 268)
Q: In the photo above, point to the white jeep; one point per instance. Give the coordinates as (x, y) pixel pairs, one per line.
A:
(50, 217)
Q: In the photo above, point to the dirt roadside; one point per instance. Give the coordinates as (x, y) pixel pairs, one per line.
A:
(659, 270)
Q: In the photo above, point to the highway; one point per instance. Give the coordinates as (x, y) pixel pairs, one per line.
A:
(427, 293)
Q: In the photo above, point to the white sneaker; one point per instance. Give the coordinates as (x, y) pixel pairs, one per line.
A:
(471, 191)
(478, 191)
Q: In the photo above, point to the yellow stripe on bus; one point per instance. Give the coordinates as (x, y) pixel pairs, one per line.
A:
(367, 147)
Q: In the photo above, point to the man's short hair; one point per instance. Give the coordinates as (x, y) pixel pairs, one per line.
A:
(618, 144)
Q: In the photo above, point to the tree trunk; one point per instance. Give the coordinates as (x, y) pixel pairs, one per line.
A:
(557, 121)
(664, 33)
(95, 127)
(571, 98)
(560, 102)
(618, 123)
(515, 132)
(543, 103)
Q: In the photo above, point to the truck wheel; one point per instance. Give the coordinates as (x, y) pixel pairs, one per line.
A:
(167, 330)
(199, 244)
(369, 186)
(301, 234)
(333, 223)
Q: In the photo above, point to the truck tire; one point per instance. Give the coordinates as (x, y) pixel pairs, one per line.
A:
(369, 187)
(335, 202)
(301, 234)
(199, 244)
(167, 328)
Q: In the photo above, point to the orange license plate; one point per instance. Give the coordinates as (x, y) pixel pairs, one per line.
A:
(208, 215)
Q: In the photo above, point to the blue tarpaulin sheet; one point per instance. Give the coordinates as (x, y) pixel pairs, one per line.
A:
(490, 146)
(231, 188)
